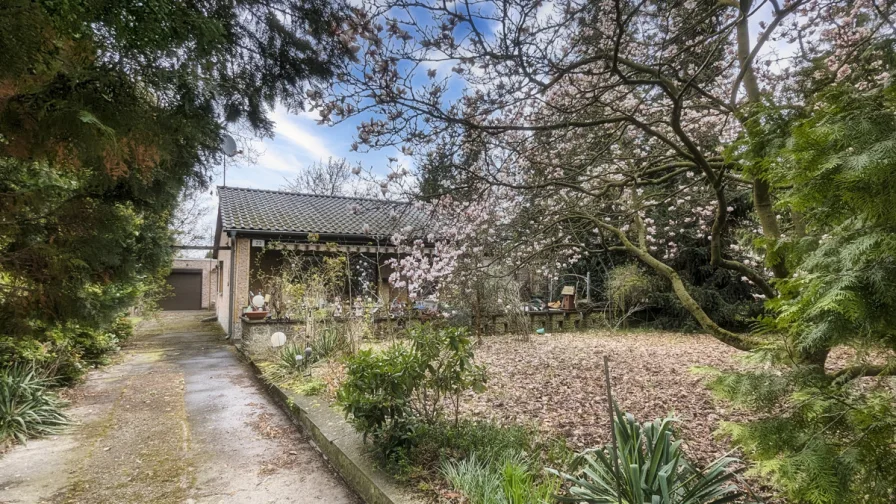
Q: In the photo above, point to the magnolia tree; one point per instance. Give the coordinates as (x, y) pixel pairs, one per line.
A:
(624, 124)
(571, 127)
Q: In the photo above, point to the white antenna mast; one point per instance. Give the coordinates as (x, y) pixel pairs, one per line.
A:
(230, 150)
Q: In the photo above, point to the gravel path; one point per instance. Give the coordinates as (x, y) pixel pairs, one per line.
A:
(178, 420)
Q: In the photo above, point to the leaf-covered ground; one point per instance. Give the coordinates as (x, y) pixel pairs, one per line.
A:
(556, 381)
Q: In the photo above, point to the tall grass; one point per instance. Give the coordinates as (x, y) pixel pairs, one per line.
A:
(509, 481)
(27, 408)
(479, 483)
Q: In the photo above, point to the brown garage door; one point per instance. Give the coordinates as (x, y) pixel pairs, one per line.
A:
(186, 291)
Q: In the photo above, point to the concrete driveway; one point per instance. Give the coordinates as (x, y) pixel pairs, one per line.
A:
(180, 419)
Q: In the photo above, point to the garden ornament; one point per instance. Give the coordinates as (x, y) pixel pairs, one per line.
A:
(307, 359)
(278, 339)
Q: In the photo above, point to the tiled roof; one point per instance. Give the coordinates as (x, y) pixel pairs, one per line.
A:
(286, 212)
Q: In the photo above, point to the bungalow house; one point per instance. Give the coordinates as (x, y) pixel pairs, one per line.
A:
(255, 227)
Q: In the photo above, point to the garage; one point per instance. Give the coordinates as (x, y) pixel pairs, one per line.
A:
(186, 291)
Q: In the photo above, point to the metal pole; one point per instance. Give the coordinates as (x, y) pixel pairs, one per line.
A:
(348, 271)
(612, 411)
(588, 286)
(232, 265)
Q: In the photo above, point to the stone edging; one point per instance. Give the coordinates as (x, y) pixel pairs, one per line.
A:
(338, 442)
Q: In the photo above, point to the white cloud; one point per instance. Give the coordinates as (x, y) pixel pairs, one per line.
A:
(293, 132)
(405, 160)
(279, 162)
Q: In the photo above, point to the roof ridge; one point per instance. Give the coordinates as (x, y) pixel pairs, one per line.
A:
(334, 196)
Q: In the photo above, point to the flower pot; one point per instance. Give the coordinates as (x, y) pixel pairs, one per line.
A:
(256, 315)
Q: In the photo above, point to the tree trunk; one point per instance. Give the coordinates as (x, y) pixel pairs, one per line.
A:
(729, 338)
(762, 200)
(739, 341)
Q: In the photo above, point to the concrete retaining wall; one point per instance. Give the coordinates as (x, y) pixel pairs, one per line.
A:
(341, 445)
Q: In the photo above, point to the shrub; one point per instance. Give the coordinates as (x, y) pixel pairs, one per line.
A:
(386, 395)
(445, 440)
(65, 352)
(628, 289)
(815, 441)
(376, 394)
(647, 466)
(93, 345)
(122, 329)
(27, 408)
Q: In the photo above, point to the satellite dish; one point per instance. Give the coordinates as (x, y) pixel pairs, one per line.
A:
(229, 146)
(230, 150)
(278, 339)
(258, 301)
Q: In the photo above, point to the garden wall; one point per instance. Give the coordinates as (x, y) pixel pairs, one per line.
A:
(551, 322)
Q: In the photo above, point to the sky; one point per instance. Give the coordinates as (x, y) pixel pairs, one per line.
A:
(298, 142)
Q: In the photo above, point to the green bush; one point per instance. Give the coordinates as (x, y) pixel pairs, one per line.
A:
(27, 408)
(646, 466)
(434, 444)
(815, 441)
(628, 289)
(93, 345)
(387, 395)
(66, 352)
(122, 328)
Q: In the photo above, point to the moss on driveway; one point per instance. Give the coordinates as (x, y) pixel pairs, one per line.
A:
(178, 420)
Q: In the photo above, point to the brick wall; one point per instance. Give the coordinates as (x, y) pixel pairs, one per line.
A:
(241, 284)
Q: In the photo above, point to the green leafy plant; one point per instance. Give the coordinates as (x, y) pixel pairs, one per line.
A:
(821, 430)
(288, 357)
(376, 395)
(27, 408)
(311, 387)
(328, 343)
(814, 440)
(444, 440)
(647, 465)
(628, 289)
(122, 328)
(385, 395)
(479, 483)
(509, 481)
(66, 351)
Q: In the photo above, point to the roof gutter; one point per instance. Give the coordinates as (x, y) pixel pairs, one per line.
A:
(233, 249)
(323, 236)
(299, 233)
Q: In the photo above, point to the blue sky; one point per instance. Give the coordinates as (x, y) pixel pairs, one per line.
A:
(298, 142)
